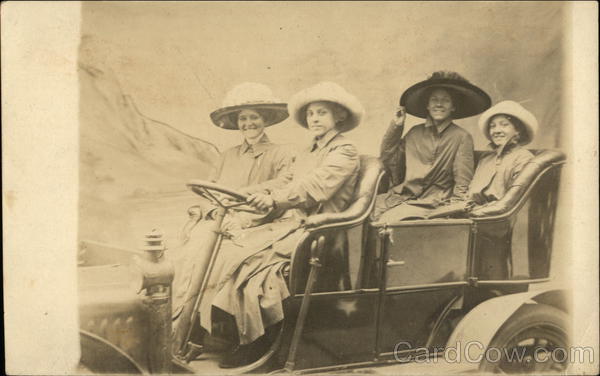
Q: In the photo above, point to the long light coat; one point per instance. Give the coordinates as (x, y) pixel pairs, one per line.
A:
(247, 279)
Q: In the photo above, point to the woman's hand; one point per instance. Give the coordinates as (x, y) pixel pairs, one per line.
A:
(398, 120)
(261, 201)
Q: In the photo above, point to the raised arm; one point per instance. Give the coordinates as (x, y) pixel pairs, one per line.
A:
(392, 153)
(392, 148)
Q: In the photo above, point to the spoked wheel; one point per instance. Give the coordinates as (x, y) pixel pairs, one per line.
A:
(535, 340)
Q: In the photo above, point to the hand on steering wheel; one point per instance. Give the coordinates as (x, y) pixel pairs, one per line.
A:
(222, 196)
(261, 201)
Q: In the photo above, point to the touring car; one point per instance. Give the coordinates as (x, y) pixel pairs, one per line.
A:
(387, 294)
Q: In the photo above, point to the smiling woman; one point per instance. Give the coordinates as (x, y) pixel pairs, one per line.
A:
(502, 129)
(433, 163)
(440, 105)
(246, 289)
(252, 125)
(251, 107)
(256, 165)
(508, 126)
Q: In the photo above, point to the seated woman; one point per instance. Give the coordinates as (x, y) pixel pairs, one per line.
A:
(433, 163)
(508, 126)
(247, 281)
(256, 165)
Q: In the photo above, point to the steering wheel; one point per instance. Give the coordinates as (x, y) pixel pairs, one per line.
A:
(222, 196)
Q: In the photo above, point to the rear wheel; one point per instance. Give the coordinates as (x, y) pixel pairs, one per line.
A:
(534, 340)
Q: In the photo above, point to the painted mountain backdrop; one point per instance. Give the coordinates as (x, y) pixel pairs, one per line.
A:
(129, 163)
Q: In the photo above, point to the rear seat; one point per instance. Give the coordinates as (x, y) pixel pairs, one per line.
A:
(542, 160)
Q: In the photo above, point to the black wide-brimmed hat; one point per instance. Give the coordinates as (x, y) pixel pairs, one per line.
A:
(468, 99)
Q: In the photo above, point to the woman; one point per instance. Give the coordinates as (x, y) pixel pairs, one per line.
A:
(251, 288)
(256, 165)
(433, 163)
(508, 126)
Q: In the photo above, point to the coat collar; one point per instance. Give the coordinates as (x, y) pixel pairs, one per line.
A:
(504, 149)
(257, 148)
(440, 128)
(320, 143)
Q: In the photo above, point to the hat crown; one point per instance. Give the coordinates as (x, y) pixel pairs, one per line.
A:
(249, 93)
(327, 86)
(447, 75)
(469, 100)
(329, 92)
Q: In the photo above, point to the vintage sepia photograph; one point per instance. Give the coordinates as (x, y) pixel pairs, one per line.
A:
(300, 187)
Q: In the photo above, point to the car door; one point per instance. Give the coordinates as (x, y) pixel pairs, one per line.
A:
(423, 272)
(340, 325)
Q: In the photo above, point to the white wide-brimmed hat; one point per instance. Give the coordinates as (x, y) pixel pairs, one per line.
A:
(329, 92)
(469, 100)
(513, 109)
(252, 96)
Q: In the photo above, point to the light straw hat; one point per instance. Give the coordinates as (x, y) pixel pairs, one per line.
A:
(329, 92)
(252, 96)
(513, 109)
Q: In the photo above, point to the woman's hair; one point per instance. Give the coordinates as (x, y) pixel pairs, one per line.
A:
(266, 115)
(340, 113)
(522, 134)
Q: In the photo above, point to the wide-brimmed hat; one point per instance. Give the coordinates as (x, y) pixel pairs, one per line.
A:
(252, 96)
(329, 92)
(468, 99)
(512, 109)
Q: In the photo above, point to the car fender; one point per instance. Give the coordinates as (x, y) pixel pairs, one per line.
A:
(473, 334)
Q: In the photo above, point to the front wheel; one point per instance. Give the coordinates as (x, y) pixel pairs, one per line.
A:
(534, 340)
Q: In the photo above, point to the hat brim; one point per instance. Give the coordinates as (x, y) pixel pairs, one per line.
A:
(277, 113)
(351, 122)
(513, 109)
(470, 100)
(327, 92)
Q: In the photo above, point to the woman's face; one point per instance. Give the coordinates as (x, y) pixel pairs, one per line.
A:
(251, 124)
(440, 105)
(501, 130)
(320, 118)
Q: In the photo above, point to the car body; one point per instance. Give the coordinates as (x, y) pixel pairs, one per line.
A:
(383, 293)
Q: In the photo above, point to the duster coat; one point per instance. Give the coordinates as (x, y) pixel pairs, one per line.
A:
(247, 280)
(257, 168)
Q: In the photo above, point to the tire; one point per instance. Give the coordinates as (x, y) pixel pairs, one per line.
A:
(535, 339)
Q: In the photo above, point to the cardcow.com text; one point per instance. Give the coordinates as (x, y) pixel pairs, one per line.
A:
(476, 352)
